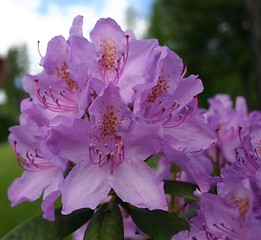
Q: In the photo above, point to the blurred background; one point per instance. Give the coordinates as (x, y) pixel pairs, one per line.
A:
(219, 40)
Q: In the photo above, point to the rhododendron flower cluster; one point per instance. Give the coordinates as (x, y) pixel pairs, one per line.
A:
(96, 112)
(109, 119)
(235, 211)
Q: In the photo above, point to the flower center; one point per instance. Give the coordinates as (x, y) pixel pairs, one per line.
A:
(161, 87)
(109, 53)
(241, 204)
(107, 145)
(62, 100)
(112, 61)
(109, 123)
(113, 154)
(63, 74)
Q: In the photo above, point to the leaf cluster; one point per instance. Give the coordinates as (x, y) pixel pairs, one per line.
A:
(106, 222)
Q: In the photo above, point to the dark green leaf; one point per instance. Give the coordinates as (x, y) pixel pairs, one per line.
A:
(41, 229)
(180, 189)
(106, 224)
(158, 224)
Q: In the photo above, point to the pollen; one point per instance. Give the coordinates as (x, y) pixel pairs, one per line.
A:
(63, 74)
(242, 205)
(109, 122)
(161, 87)
(109, 51)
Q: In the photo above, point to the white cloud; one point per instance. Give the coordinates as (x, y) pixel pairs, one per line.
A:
(21, 22)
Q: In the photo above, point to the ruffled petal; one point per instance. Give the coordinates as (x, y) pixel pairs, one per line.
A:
(30, 185)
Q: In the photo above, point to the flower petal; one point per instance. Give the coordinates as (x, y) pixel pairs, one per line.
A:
(85, 187)
(136, 183)
(192, 135)
(30, 185)
(48, 205)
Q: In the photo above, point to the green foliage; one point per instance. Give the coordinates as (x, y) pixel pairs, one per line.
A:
(17, 61)
(41, 229)
(213, 39)
(5, 123)
(17, 64)
(106, 224)
(180, 189)
(9, 170)
(158, 224)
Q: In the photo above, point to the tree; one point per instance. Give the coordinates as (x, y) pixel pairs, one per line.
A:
(15, 65)
(254, 12)
(4, 69)
(18, 63)
(213, 39)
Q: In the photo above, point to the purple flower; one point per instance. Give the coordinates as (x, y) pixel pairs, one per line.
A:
(248, 155)
(182, 235)
(97, 111)
(59, 87)
(109, 152)
(234, 213)
(117, 55)
(170, 100)
(226, 120)
(221, 219)
(195, 166)
(40, 175)
(160, 99)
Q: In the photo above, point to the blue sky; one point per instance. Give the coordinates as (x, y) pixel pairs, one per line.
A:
(30, 21)
(43, 8)
(141, 6)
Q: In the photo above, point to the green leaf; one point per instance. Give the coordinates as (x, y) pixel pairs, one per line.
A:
(106, 224)
(180, 189)
(158, 224)
(41, 229)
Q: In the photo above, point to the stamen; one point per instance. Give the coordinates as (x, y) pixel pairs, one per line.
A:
(93, 150)
(183, 117)
(184, 71)
(119, 150)
(21, 161)
(114, 157)
(125, 56)
(236, 235)
(111, 67)
(55, 106)
(164, 113)
(184, 213)
(244, 164)
(38, 48)
(111, 162)
(212, 236)
(209, 235)
(122, 155)
(240, 138)
(253, 159)
(31, 162)
(100, 158)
